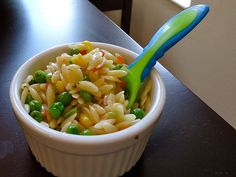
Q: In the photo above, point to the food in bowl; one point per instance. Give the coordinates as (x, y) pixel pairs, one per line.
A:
(63, 154)
(83, 92)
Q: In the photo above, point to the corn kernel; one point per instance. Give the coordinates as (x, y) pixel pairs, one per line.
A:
(79, 60)
(85, 121)
(89, 45)
(60, 86)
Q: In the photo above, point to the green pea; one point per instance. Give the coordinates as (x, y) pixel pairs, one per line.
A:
(37, 115)
(32, 82)
(70, 112)
(35, 105)
(72, 129)
(86, 132)
(56, 109)
(126, 93)
(86, 78)
(138, 112)
(117, 67)
(28, 99)
(48, 77)
(85, 95)
(74, 51)
(65, 98)
(40, 76)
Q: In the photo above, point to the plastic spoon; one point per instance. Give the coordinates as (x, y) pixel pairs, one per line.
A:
(168, 35)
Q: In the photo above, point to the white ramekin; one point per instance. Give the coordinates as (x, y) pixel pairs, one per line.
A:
(69, 155)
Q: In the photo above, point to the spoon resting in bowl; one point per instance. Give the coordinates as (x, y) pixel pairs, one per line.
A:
(167, 36)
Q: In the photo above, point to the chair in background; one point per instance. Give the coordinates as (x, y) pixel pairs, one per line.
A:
(124, 5)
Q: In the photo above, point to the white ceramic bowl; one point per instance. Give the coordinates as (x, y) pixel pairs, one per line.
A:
(68, 155)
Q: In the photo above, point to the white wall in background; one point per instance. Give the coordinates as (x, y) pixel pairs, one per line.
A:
(205, 60)
(182, 3)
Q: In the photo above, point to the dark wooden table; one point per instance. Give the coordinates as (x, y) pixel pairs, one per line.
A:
(190, 139)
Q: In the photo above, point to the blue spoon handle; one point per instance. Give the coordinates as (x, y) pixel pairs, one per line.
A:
(167, 36)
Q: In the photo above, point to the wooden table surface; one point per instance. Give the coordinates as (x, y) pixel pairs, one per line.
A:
(190, 139)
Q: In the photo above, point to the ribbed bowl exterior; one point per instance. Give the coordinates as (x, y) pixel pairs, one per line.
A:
(66, 155)
(64, 164)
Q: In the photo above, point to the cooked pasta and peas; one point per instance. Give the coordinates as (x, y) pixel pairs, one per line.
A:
(83, 92)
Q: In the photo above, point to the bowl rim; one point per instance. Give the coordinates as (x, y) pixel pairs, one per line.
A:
(125, 134)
